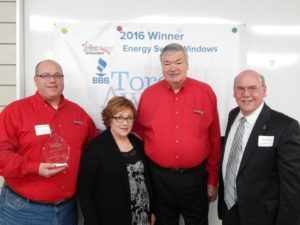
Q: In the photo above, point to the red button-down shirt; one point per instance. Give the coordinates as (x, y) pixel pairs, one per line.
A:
(180, 130)
(21, 146)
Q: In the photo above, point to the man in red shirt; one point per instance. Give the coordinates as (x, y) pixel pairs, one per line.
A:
(41, 142)
(178, 121)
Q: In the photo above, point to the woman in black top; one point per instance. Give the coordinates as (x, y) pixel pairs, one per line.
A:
(113, 184)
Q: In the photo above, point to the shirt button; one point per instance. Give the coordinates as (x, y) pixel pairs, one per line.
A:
(176, 141)
(176, 112)
(177, 126)
(176, 98)
(176, 157)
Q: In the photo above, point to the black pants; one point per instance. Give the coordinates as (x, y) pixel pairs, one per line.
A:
(180, 192)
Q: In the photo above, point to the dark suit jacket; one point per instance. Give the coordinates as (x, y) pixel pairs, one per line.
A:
(103, 185)
(268, 180)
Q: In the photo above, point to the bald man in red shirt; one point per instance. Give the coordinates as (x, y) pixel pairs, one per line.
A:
(42, 138)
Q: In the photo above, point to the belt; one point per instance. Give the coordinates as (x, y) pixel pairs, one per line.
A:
(178, 171)
(57, 203)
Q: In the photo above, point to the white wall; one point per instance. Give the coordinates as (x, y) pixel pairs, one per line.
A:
(276, 56)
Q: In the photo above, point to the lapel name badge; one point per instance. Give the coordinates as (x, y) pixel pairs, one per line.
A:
(265, 141)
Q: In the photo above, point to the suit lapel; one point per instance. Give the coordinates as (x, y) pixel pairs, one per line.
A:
(259, 128)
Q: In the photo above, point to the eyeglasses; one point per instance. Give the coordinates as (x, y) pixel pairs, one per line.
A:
(120, 119)
(48, 76)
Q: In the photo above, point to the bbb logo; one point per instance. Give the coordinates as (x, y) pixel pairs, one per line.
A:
(101, 78)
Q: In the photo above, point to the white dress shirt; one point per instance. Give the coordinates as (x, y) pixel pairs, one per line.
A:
(249, 123)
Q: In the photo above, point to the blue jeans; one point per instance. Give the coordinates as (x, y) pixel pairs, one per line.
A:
(15, 210)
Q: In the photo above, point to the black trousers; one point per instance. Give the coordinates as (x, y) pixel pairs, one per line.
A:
(180, 192)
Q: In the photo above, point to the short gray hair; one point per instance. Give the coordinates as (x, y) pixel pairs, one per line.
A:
(174, 47)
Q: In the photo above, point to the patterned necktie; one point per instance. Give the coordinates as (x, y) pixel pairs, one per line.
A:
(232, 163)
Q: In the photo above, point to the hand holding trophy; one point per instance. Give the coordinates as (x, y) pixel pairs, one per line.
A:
(56, 150)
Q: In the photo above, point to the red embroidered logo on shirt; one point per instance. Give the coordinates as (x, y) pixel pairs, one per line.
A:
(199, 111)
(78, 122)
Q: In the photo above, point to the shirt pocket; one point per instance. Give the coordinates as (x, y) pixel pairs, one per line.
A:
(197, 123)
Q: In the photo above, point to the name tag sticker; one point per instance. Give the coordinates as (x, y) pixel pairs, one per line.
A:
(42, 129)
(265, 141)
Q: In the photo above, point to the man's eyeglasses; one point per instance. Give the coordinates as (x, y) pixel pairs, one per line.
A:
(120, 119)
(48, 76)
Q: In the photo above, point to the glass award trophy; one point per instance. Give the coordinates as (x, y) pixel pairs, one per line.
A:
(56, 150)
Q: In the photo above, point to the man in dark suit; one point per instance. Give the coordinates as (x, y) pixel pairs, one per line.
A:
(266, 178)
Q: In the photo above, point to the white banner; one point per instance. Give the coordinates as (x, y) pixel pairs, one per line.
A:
(103, 60)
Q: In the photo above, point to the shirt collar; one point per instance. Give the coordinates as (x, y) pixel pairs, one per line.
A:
(41, 99)
(251, 119)
(184, 85)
